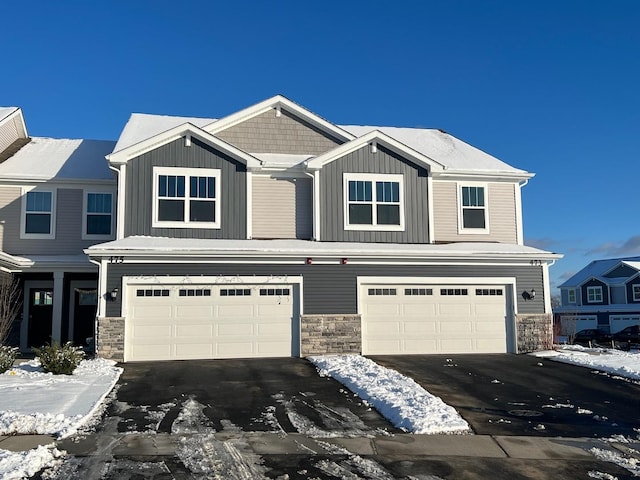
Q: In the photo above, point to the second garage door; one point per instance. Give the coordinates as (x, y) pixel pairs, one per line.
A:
(415, 319)
(178, 322)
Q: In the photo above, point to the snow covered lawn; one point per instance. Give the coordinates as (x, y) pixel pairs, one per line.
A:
(616, 362)
(400, 399)
(32, 401)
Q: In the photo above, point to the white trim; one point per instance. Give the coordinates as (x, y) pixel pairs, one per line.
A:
(316, 206)
(52, 218)
(546, 288)
(249, 189)
(373, 178)
(595, 288)
(85, 201)
(473, 231)
(518, 201)
(430, 210)
(187, 173)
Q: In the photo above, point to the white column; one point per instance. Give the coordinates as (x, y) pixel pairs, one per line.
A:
(56, 320)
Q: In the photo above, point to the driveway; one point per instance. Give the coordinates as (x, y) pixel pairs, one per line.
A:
(525, 395)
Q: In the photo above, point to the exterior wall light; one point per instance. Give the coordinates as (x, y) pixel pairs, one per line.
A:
(113, 294)
(309, 261)
(530, 295)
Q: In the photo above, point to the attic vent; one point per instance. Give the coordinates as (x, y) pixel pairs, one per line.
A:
(187, 140)
(374, 147)
(278, 111)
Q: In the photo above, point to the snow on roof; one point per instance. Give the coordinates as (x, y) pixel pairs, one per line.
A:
(188, 246)
(6, 111)
(50, 158)
(598, 268)
(445, 149)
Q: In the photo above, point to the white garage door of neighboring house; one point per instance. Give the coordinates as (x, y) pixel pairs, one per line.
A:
(572, 324)
(181, 322)
(618, 322)
(415, 319)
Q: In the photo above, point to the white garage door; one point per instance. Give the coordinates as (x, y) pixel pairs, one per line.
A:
(414, 319)
(177, 322)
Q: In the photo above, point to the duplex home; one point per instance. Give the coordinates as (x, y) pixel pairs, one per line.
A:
(605, 294)
(274, 232)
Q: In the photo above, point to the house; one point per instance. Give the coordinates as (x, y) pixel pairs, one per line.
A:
(605, 294)
(274, 232)
(57, 197)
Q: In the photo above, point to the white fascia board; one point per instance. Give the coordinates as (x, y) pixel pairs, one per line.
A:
(16, 113)
(379, 138)
(483, 175)
(273, 103)
(133, 151)
(60, 183)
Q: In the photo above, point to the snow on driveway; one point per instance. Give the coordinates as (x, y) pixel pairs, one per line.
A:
(399, 399)
(616, 362)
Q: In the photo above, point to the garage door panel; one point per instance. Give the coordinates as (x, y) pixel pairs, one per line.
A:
(236, 310)
(202, 312)
(194, 330)
(272, 329)
(151, 352)
(143, 312)
(234, 329)
(152, 331)
(269, 349)
(193, 350)
(232, 349)
(273, 310)
(434, 319)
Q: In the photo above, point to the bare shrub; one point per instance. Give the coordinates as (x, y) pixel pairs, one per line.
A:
(10, 304)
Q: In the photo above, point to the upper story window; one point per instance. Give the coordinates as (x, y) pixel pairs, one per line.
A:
(373, 202)
(38, 214)
(636, 293)
(594, 294)
(186, 197)
(98, 216)
(571, 295)
(473, 208)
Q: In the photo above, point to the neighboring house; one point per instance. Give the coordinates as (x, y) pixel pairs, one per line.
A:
(605, 294)
(274, 232)
(57, 197)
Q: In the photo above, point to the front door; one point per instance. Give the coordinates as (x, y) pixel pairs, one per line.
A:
(85, 304)
(40, 316)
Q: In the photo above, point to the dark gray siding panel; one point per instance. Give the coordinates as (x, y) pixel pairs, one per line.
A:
(332, 289)
(139, 190)
(416, 206)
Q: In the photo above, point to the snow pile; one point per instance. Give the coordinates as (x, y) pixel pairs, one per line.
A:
(399, 399)
(624, 364)
(18, 465)
(34, 402)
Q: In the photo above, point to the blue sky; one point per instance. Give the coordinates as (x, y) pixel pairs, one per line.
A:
(552, 87)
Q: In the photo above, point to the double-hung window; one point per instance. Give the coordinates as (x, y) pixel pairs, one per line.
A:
(594, 294)
(636, 293)
(473, 205)
(38, 216)
(571, 296)
(98, 215)
(373, 202)
(186, 197)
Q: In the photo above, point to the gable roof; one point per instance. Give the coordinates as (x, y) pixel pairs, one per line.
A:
(59, 159)
(599, 268)
(9, 113)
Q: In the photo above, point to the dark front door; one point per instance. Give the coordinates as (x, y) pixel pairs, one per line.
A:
(84, 314)
(40, 316)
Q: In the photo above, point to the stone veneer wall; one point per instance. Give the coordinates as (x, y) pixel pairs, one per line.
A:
(534, 332)
(111, 338)
(324, 334)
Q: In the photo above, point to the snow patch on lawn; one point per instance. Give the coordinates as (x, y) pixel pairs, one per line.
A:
(401, 400)
(18, 465)
(630, 463)
(616, 362)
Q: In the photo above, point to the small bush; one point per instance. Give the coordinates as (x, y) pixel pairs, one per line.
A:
(59, 359)
(7, 357)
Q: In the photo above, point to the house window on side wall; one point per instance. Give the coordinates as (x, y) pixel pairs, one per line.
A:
(98, 222)
(594, 294)
(636, 293)
(473, 205)
(38, 214)
(373, 202)
(572, 296)
(186, 197)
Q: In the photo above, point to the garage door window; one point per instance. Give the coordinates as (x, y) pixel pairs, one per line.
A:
(235, 292)
(382, 291)
(453, 291)
(272, 292)
(418, 291)
(152, 293)
(488, 292)
(194, 292)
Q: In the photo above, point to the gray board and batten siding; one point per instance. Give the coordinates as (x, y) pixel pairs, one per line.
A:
(286, 134)
(68, 224)
(384, 161)
(332, 289)
(139, 190)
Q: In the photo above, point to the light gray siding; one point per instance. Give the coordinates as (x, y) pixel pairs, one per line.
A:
(501, 208)
(282, 207)
(416, 209)
(68, 227)
(139, 190)
(268, 133)
(332, 289)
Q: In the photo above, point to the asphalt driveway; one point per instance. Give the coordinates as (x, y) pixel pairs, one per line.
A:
(252, 395)
(526, 395)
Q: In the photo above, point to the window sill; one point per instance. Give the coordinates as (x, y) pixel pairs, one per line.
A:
(375, 228)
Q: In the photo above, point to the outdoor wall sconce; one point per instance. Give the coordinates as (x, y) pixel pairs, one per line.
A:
(530, 295)
(344, 261)
(309, 261)
(113, 294)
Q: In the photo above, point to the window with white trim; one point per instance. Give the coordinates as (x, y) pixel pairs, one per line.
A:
(186, 197)
(473, 208)
(636, 293)
(98, 215)
(38, 218)
(373, 202)
(594, 294)
(571, 295)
